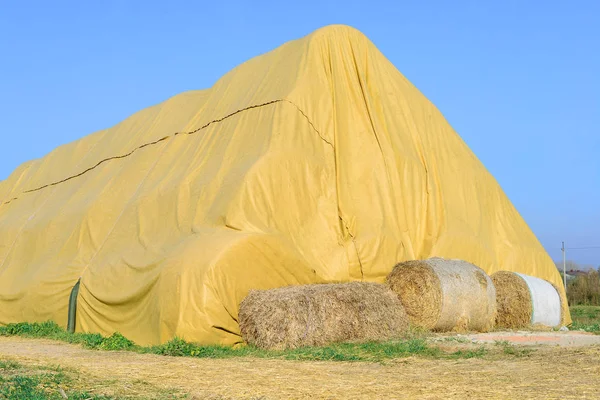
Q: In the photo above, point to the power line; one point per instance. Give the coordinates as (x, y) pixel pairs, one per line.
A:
(564, 254)
(582, 248)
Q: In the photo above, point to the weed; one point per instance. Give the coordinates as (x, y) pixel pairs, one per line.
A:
(9, 365)
(477, 353)
(116, 342)
(37, 384)
(516, 351)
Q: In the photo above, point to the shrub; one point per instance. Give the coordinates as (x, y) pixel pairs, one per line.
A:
(584, 290)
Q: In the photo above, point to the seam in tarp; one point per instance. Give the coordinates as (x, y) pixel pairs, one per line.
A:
(171, 136)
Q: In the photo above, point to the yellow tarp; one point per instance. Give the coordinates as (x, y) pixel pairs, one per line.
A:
(315, 162)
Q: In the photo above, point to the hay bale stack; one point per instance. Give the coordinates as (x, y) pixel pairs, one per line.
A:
(445, 295)
(319, 314)
(524, 300)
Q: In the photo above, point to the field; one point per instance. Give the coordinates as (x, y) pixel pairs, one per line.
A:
(40, 361)
(586, 318)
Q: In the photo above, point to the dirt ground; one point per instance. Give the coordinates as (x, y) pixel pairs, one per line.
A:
(562, 339)
(549, 372)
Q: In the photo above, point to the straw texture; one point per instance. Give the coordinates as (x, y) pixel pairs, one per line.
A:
(444, 295)
(316, 315)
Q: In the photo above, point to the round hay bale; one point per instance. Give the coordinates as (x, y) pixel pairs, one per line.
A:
(445, 295)
(525, 300)
(320, 314)
(513, 300)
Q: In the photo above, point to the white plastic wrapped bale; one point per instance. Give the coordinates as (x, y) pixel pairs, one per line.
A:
(545, 301)
(524, 300)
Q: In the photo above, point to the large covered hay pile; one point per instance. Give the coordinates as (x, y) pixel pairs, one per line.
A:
(445, 295)
(316, 315)
(524, 300)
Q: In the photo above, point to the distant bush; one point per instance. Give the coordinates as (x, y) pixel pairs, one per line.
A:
(584, 290)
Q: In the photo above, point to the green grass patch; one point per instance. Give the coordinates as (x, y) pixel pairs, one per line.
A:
(37, 382)
(9, 365)
(586, 318)
(512, 350)
(50, 330)
(470, 353)
(375, 352)
(594, 328)
(361, 351)
(19, 383)
(585, 313)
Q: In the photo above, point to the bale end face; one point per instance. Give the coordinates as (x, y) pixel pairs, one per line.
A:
(419, 289)
(513, 300)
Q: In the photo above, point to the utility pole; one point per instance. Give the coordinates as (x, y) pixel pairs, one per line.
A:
(564, 265)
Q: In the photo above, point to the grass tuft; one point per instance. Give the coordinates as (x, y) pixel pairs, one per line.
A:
(512, 350)
(9, 365)
(115, 342)
(19, 383)
(37, 329)
(50, 330)
(477, 353)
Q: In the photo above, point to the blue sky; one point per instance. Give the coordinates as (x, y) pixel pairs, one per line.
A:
(519, 80)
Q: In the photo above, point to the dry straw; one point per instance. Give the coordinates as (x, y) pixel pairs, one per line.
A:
(513, 300)
(316, 315)
(445, 295)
